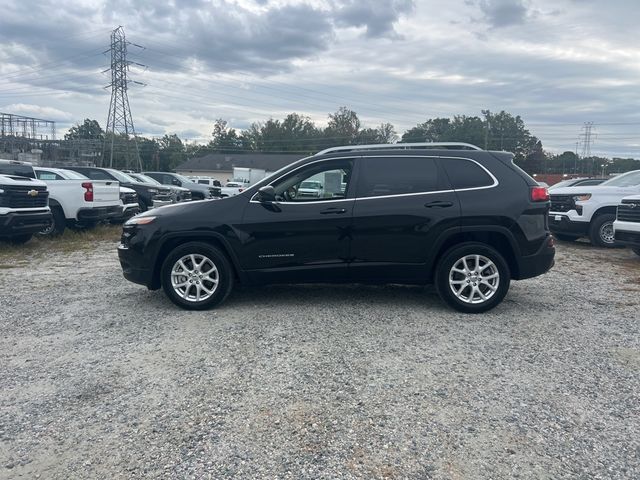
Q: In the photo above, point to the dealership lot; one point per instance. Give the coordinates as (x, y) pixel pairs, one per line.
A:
(101, 378)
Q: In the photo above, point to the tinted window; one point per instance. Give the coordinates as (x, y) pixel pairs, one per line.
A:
(465, 173)
(97, 175)
(16, 169)
(397, 175)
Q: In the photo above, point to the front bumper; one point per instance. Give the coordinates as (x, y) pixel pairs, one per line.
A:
(561, 223)
(627, 233)
(539, 263)
(21, 223)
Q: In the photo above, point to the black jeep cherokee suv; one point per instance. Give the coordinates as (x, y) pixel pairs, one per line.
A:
(465, 219)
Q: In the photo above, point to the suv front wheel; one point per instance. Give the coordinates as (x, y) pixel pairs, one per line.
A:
(196, 276)
(472, 277)
(601, 231)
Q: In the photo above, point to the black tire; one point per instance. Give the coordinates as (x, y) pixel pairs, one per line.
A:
(225, 276)
(454, 255)
(20, 239)
(565, 238)
(601, 231)
(636, 250)
(58, 224)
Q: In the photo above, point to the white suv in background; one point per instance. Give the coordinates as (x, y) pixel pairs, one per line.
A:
(627, 224)
(589, 211)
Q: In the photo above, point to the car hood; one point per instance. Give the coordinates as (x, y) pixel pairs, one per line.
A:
(593, 190)
(632, 197)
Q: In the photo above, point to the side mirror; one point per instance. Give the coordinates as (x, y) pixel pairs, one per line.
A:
(266, 194)
(177, 182)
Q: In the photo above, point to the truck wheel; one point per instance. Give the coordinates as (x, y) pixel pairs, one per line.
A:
(472, 277)
(601, 231)
(565, 238)
(196, 276)
(57, 225)
(636, 250)
(20, 239)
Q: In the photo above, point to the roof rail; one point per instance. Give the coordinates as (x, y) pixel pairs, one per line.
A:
(400, 146)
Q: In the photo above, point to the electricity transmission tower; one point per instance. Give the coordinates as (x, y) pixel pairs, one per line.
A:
(587, 138)
(119, 122)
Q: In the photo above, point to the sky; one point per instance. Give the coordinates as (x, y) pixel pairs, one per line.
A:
(556, 63)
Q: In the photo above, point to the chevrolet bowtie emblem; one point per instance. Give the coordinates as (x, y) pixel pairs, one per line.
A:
(33, 193)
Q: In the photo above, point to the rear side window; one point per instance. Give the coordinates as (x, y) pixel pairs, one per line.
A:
(45, 175)
(464, 173)
(380, 176)
(97, 175)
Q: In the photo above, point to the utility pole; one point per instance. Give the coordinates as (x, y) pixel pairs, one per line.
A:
(119, 121)
(575, 167)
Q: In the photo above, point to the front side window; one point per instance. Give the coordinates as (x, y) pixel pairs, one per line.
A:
(315, 183)
(381, 176)
(97, 175)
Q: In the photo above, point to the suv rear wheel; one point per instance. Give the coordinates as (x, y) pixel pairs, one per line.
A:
(196, 276)
(472, 277)
(601, 231)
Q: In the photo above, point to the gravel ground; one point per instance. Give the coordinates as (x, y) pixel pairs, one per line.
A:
(102, 379)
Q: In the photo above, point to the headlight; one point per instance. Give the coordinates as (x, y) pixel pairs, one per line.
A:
(582, 198)
(153, 190)
(140, 220)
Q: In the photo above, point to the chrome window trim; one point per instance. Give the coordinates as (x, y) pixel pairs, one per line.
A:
(493, 185)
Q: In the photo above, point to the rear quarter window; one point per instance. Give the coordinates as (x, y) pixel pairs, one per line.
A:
(464, 173)
(381, 176)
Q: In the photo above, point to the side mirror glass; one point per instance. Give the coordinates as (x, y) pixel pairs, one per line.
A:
(266, 194)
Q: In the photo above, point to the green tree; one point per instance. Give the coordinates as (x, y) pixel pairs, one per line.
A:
(225, 139)
(87, 130)
(343, 127)
(171, 152)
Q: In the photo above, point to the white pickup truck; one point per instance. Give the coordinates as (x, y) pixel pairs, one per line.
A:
(589, 211)
(24, 202)
(77, 201)
(627, 224)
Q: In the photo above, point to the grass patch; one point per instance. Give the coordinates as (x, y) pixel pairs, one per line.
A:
(70, 241)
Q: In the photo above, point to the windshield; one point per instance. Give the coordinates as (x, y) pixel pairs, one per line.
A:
(183, 179)
(629, 179)
(16, 169)
(122, 177)
(71, 175)
(145, 179)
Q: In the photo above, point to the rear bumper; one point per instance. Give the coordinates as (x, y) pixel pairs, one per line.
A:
(23, 223)
(563, 224)
(539, 263)
(99, 213)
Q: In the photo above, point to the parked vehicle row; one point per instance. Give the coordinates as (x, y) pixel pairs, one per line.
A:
(46, 200)
(590, 210)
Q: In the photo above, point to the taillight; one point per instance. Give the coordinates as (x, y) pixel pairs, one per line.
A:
(88, 194)
(539, 194)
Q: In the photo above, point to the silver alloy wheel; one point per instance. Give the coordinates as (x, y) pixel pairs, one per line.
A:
(474, 279)
(49, 229)
(606, 233)
(194, 277)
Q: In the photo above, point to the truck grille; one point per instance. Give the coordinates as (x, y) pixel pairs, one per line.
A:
(128, 198)
(562, 203)
(19, 197)
(629, 211)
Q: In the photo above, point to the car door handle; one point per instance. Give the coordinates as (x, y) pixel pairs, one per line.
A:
(438, 203)
(333, 210)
